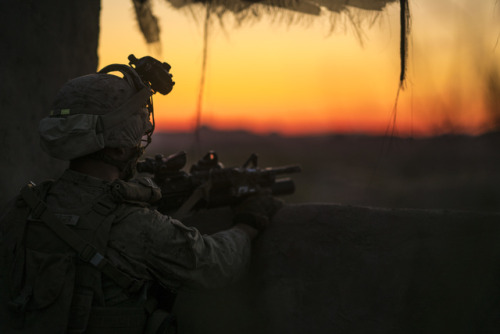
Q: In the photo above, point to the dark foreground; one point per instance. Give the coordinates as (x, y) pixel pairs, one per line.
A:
(344, 269)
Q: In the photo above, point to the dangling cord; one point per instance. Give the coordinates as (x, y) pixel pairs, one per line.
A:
(403, 53)
(202, 80)
(390, 132)
(405, 32)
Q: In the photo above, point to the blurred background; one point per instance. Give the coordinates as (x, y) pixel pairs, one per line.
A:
(270, 69)
(322, 91)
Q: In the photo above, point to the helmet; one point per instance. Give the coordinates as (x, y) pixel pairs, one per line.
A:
(99, 110)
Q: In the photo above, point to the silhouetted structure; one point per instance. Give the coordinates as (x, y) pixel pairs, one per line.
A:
(44, 44)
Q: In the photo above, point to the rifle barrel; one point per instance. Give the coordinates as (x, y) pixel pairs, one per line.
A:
(284, 170)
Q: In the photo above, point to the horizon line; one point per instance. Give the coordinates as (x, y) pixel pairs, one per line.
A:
(166, 131)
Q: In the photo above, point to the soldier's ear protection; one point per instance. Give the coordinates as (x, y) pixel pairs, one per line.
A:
(148, 76)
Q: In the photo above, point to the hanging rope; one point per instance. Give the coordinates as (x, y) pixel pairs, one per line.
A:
(405, 32)
(202, 79)
(391, 131)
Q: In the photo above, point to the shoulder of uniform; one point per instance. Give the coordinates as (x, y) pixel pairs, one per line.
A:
(135, 212)
(142, 191)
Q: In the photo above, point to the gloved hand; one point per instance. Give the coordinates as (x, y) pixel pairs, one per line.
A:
(257, 211)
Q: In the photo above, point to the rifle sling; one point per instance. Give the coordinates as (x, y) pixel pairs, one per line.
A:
(202, 191)
(86, 252)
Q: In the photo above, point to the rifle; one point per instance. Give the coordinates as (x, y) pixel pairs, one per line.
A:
(209, 184)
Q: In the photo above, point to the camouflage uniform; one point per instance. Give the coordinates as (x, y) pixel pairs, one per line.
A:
(152, 246)
(153, 249)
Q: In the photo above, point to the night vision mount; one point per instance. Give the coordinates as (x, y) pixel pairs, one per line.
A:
(148, 76)
(153, 73)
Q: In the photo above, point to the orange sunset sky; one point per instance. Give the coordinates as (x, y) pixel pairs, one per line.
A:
(269, 76)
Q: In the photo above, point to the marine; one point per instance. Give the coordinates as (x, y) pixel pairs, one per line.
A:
(88, 252)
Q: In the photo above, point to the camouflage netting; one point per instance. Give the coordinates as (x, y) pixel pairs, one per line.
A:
(273, 6)
(289, 11)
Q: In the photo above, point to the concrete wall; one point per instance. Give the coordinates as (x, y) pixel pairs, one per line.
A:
(324, 268)
(43, 44)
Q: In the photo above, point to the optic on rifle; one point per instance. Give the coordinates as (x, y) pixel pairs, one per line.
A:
(209, 184)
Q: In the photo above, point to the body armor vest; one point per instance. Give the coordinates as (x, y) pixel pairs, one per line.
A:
(51, 279)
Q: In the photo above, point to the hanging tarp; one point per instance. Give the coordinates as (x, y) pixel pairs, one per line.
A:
(303, 6)
(148, 23)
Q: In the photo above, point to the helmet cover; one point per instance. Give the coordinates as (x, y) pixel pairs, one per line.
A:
(92, 112)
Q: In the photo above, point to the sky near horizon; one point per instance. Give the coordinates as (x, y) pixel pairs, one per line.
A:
(303, 78)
